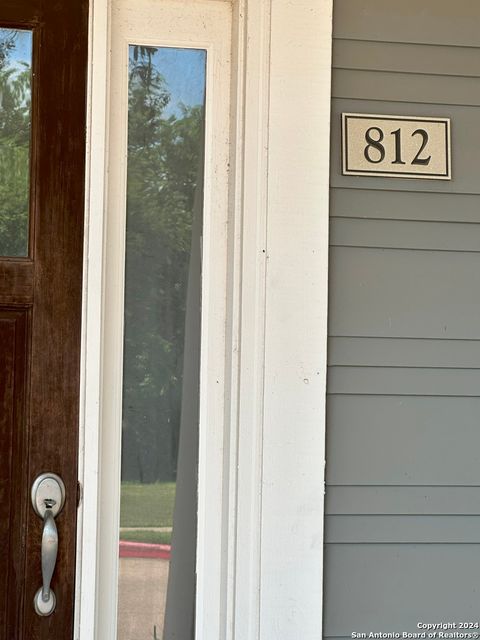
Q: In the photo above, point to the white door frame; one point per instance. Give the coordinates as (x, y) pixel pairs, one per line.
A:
(269, 579)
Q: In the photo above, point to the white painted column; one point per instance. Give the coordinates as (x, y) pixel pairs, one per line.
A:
(274, 447)
(295, 321)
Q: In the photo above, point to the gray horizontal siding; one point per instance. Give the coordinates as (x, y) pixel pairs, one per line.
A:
(401, 234)
(406, 87)
(404, 381)
(404, 352)
(406, 58)
(401, 500)
(413, 294)
(403, 440)
(436, 22)
(423, 529)
(391, 587)
(402, 526)
(396, 204)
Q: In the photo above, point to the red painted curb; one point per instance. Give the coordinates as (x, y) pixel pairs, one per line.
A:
(144, 550)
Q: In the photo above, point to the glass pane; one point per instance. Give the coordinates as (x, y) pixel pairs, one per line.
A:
(161, 344)
(15, 124)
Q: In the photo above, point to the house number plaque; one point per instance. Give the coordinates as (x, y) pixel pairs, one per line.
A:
(396, 146)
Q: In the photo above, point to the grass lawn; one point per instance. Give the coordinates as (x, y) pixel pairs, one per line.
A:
(156, 537)
(147, 505)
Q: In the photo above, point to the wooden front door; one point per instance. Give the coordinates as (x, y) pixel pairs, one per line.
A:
(43, 52)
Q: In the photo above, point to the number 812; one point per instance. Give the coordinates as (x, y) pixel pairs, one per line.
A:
(375, 146)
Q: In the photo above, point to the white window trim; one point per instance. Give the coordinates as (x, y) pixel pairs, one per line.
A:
(92, 319)
(270, 579)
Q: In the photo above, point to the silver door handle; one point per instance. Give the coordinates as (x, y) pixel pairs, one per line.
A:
(49, 550)
(48, 498)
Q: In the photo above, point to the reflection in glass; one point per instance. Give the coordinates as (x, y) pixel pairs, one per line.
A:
(15, 124)
(161, 344)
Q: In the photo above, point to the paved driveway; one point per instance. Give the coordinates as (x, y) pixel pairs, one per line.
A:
(141, 598)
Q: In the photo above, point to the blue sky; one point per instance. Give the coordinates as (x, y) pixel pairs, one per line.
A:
(23, 44)
(182, 69)
(184, 74)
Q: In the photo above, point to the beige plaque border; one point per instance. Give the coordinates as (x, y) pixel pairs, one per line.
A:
(396, 174)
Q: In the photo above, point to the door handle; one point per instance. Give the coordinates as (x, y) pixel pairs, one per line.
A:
(49, 559)
(48, 498)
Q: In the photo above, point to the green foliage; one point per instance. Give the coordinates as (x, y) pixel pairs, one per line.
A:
(7, 44)
(164, 156)
(14, 151)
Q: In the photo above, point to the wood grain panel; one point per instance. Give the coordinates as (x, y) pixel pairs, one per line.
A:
(7, 416)
(13, 437)
(16, 282)
(50, 285)
(56, 316)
